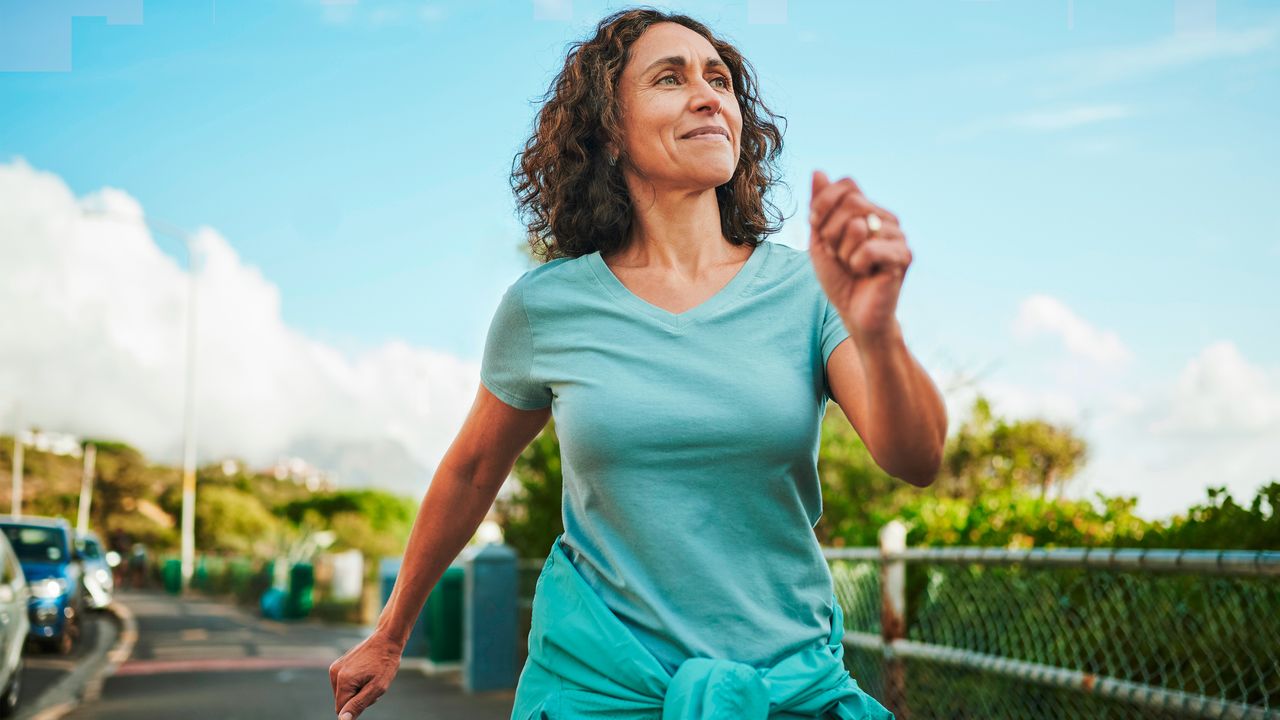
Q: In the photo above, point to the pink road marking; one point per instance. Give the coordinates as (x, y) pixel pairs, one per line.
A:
(151, 667)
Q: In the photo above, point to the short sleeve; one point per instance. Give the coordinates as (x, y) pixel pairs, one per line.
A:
(833, 333)
(507, 364)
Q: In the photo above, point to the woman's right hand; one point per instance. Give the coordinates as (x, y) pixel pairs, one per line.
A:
(363, 674)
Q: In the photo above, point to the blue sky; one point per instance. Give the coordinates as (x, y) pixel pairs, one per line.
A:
(1089, 188)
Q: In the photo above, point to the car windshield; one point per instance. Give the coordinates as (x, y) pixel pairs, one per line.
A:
(37, 544)
(89, 548)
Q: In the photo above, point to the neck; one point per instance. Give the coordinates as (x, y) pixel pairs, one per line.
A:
(677, 231)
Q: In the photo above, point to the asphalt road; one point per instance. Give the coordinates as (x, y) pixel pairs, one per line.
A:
(45, 673)
(198, 659)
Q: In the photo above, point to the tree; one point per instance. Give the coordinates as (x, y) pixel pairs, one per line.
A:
(990, 454)
(531, 517)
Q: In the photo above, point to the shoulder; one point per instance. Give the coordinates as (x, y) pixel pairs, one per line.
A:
(787, 257)
(788, 268)
(548, 277)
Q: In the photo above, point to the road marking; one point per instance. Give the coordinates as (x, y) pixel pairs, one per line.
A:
(55, 712)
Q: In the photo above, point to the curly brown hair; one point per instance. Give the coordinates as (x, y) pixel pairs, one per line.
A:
(574, 201)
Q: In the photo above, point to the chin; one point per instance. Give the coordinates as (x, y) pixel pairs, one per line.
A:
(715, 176)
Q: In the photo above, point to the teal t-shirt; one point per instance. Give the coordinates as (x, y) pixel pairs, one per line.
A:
(688, 445)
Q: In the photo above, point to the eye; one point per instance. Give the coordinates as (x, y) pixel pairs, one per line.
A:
(726, 84)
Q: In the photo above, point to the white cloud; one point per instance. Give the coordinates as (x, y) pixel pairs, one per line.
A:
(1222, 393)
(1092, 68)
(1067, 118)
(1161, 439)
(94, 343)
(1058, 119)
(1044, 315)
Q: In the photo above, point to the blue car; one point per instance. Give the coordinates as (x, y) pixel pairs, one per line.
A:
(54, 573)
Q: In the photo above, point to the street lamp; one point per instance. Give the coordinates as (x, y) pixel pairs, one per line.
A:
(189, 417)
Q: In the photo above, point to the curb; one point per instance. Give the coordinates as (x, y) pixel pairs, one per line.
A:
(97, 669)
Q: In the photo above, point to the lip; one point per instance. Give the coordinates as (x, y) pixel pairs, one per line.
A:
(706, 130)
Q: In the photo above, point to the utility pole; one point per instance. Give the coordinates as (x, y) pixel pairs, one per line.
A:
(17, 465)
(86, 486)
(189, 416)
(189, 428)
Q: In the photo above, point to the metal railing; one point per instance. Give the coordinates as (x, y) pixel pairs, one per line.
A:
(1069, 633)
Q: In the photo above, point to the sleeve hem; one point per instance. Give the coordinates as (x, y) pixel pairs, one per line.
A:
(512, 399)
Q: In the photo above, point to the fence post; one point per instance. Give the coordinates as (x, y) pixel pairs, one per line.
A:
(893, 613)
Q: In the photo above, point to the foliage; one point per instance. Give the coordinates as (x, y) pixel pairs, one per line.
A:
(531, 518)
(375, 522)
(1001, 484)
(1222, 524)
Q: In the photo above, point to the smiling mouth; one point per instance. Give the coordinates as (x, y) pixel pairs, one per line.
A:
(708, 136)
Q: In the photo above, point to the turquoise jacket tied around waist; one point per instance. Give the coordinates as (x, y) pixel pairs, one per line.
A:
(584, 663)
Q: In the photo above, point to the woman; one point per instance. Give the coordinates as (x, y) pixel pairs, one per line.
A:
(688, 362)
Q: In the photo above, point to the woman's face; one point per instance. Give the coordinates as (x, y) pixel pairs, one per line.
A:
(675, 82)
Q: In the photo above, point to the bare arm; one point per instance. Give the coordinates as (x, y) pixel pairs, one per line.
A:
(463, 488)
(460, 495)
(892, 404)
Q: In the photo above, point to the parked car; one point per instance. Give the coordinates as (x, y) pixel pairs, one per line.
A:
(54, 574)
(98, 580)
(14, 626)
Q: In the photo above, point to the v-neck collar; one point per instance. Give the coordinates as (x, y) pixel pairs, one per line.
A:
(723, 296)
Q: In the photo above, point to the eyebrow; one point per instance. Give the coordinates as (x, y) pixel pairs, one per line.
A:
(679, 61)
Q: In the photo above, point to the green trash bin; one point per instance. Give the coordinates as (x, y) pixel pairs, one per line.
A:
(302, 581)
(173, 576)
(200, 577)
(443, 615)
(240, 576)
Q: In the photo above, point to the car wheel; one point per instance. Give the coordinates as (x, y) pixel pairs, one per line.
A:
(9, 699)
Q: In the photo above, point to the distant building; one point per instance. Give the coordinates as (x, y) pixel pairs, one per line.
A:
(52, 442)
(302, 473)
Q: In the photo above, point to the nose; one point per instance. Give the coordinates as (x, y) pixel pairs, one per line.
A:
(705, 96)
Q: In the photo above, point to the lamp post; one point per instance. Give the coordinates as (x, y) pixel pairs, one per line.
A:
(16, 495)
(189, 414)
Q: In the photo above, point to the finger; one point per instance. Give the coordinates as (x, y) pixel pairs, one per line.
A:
(827, 198)
(863, 204)
(852, 235)
(819, 181)
(361, 702)
(347, 688)
(833, 230)
(857, 229)
(879, 256)
(333, 676)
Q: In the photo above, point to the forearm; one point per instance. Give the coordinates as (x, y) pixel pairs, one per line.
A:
(905, 409)
(456, 503)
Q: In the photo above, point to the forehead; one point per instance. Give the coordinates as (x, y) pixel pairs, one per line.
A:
(667, 39)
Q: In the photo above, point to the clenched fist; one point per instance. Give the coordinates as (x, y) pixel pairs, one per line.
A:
(860, 267)
(363, 674)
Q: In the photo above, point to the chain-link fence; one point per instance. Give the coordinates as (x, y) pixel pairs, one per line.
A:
(1070, 633)
(989, 633)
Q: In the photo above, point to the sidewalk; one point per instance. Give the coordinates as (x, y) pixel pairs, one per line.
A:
(199, 659)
